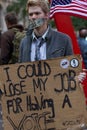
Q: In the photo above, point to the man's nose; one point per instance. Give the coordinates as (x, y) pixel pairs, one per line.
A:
(34, 16)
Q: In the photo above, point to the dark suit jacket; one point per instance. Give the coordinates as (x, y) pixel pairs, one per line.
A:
(58, 44)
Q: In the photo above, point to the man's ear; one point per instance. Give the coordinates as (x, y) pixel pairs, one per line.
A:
(8, 24)
(47, 15)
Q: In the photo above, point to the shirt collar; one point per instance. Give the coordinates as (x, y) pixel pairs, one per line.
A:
(43, 36)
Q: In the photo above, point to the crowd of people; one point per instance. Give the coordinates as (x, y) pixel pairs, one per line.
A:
(41, 41)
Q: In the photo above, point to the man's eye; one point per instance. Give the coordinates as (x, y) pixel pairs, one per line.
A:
(30, 14)
(37, 13)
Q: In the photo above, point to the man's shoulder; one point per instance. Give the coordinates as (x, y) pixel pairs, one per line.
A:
(24, 41)
(82, 41)
(9, 31)
(59, 34)
(19, 34)
(55, 31)
(8, 34)
(27, 37)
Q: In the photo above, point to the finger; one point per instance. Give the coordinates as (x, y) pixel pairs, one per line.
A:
(84, 70)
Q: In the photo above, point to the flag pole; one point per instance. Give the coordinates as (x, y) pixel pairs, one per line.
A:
(64, 24)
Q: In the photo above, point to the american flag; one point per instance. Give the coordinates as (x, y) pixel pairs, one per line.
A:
(71, 7)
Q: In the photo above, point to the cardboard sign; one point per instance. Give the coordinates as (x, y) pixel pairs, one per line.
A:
(43, 95)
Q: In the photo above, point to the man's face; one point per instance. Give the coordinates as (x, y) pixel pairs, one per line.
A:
(36, 12)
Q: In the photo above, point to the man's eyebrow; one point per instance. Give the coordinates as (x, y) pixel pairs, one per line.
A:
(37, 12)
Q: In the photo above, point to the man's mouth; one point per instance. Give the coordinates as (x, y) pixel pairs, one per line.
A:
(35, 23)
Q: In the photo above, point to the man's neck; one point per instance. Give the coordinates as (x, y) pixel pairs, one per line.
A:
(40, 30)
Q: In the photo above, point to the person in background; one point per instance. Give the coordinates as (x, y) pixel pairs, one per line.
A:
(42, 42)
(83, 44)
(86, 35)
(7, 37)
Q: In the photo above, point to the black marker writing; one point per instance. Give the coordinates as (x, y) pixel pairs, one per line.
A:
(70, 78)
(39, 83)
(7, 73)
(14, 89)
(34, 121)
(66, 101)
(30, 70)
(33, 105)
(14, 105)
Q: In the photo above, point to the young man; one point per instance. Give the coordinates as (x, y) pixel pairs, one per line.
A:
(43, 42)
(55, 44)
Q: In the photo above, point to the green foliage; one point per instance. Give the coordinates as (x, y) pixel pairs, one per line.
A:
(52, 23)
(78, 22)
(19, 7)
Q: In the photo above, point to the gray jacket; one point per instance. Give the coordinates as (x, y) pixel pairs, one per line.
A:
(58, 44)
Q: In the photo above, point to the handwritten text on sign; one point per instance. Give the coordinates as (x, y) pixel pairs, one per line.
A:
(42, 95)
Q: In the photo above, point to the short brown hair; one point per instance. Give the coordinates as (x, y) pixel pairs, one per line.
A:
(41, 3)
(11, 18)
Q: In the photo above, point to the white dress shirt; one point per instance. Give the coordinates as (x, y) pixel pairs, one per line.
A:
(42, 48)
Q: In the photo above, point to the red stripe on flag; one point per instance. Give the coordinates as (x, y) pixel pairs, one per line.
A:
(76, 7)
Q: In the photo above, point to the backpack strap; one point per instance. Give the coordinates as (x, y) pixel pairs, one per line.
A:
(16, 43)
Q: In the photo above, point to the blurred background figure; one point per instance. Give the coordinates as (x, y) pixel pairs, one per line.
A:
(7, 46)
(82, 41)
(86, 35)
(0, 45)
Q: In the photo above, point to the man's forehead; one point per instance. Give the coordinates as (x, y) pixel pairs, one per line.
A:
(33, 9)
